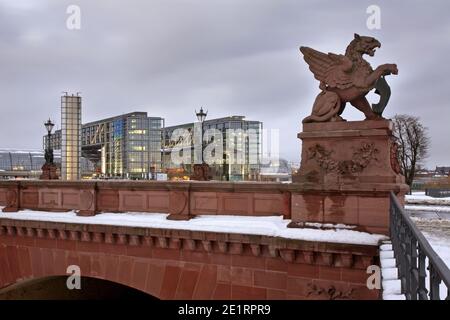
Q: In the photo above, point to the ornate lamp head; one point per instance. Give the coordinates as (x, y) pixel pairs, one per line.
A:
(201, 116)
(49, 126)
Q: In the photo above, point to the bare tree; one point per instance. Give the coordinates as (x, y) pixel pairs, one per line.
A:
(413, 144)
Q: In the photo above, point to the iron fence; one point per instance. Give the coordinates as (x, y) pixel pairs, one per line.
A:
(417, 262)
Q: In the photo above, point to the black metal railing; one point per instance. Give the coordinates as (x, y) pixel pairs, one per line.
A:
(415, 256)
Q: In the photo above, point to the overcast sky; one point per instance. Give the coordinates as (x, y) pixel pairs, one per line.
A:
(234, 57)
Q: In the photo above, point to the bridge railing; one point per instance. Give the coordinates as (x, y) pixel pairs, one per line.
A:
(420, 269)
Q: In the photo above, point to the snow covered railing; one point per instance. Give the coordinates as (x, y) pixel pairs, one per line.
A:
(417, 262)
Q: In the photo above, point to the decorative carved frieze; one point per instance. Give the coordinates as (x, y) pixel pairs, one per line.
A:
(207, 245)
(21, 232)
(360, 159)
(273, 251)
(256, 249)
(40, 233)
(74, 235)
(148, 241)
(287, 255)
(308, 256)
(85, 236)
(31, 232)
(174, 243)
(189, 244)
(134, 240)
(236, 248)
(109, 238)
(223, 246)
(97, 237)
(395, 165)
(163, 242)
(327, 258)
(51, 233)
(346, 260)
(328, 292)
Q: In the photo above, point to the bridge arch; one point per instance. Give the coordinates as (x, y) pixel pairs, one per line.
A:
(159, 278)
(55, 288)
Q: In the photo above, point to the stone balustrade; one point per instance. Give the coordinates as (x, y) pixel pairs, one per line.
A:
(366, 206)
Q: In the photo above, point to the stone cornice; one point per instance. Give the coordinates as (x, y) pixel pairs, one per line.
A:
(290, 250)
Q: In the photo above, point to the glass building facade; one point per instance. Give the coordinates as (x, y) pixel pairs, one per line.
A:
(241, 145)
(70, 137)
(125, 146)
(21, 160)
(28, 163)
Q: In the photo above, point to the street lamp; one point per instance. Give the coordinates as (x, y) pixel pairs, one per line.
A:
(201, 171)
(49, 126)
(49, 168)
(48, 150)
(201, 116)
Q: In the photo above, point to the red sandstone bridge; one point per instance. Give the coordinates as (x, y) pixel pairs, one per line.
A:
(180, 262)
(311, 239)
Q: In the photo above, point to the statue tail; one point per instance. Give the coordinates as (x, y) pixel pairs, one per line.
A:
(326, 106)
(384, 91)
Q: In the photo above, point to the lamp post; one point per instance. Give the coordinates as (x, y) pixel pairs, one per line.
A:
(201, 171)
(201, 116)
(48, 150)
(49, 168)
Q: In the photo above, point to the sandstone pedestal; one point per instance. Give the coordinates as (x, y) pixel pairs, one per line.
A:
(200, 172)
(49, 172)
(347, 171)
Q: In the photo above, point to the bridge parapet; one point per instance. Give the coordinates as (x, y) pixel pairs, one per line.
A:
(181, 200)
(365, 206)
(187, 264)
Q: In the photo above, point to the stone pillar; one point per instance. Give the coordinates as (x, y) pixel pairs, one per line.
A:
(347, 172)
(12, 198)
(88, 201)
(200, 172)
(49, 172)
(179, 204)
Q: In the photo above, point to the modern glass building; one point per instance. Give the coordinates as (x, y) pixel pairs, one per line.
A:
(241, 147)
(70, 137)
(124, 146)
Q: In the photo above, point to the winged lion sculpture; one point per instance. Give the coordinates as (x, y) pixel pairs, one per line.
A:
(348, 78)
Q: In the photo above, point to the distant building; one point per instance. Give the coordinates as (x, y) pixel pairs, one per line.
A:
(276, 170)
(28, 163)
(442, 171)
(70, 137)
(245, 133)
(124, 146)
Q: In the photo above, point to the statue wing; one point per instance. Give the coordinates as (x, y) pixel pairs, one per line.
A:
(331, 69)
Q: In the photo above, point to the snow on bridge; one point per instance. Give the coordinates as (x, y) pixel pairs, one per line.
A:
(274, 226)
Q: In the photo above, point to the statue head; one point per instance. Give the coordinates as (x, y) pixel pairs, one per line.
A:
(363, 45)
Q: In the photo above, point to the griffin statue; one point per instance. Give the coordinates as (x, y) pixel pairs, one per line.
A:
(348, 78)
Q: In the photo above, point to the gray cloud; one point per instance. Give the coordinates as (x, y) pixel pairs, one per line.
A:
(169, 57)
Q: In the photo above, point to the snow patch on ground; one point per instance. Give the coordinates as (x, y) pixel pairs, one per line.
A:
(430, 208)
(437, 232)
(421, 198)
(274, 226)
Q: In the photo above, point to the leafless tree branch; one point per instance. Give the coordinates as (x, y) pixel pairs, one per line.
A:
(413, 144)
